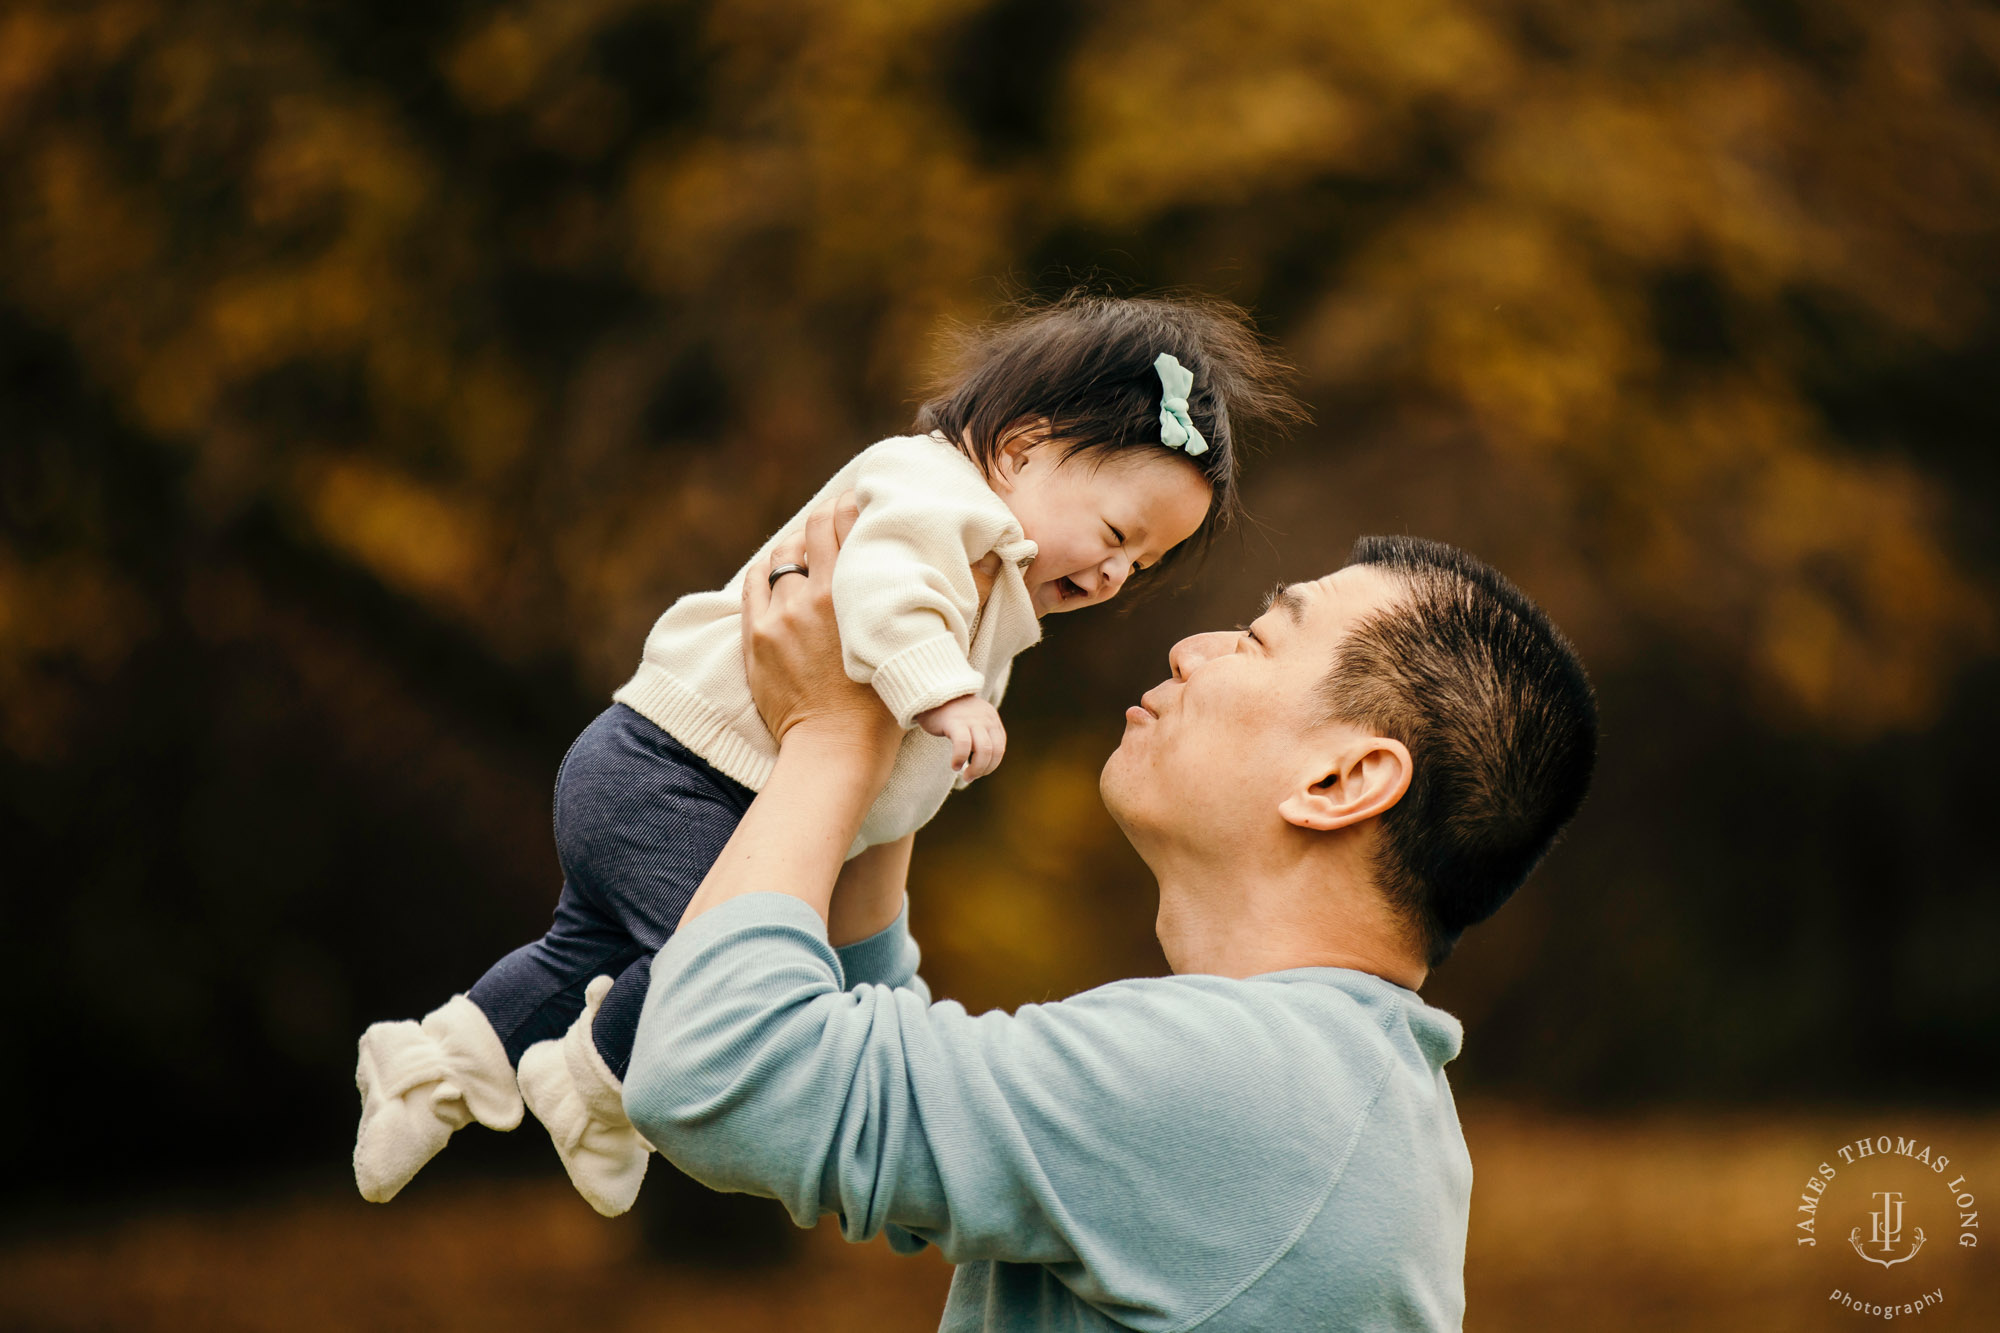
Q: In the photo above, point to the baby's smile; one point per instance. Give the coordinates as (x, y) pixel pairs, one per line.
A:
(1097, 522)
(1067, 590)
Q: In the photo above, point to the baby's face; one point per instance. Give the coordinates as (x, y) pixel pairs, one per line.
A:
(1095, 520)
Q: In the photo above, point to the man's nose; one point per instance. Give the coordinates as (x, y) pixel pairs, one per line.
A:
(1185, 656)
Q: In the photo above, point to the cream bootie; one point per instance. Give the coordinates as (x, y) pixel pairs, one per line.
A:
(421, 1081)
(572, 1091)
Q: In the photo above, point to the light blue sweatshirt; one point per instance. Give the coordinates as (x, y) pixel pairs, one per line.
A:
(1277, 1154)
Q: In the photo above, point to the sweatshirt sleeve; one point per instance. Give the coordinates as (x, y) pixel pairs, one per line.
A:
(889, 957)
(1112, 1136)
(903, 590)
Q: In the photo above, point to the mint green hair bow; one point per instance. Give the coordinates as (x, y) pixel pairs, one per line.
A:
(1176, 383)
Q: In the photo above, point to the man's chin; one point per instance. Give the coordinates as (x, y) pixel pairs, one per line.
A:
(1115, 779)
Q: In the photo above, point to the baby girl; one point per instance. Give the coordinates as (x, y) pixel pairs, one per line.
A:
(1074, 448)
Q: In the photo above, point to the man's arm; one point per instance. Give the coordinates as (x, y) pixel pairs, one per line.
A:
(756, 1070)
(1158, 1143)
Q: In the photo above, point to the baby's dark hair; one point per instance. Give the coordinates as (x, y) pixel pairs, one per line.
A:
(1084, 362)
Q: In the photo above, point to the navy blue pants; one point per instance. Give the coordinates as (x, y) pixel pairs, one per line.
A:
(639, 820)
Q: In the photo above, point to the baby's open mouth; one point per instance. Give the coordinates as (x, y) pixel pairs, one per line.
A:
(1066, 589)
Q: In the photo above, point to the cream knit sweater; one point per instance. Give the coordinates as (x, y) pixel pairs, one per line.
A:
(910, 625)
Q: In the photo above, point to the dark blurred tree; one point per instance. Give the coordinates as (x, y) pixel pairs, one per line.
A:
(374, 375)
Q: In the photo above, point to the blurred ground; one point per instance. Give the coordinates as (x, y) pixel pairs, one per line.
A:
(1578, 1224)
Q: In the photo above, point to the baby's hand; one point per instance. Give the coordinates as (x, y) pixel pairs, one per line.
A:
(973, 727)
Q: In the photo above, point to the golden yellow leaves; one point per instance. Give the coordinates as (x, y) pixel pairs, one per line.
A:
(816, 204)
(410, 535)
(33, 46)
(65, 625)
(42, 40)
(84, 229)
(1653, 172)
(830, 145)
(530, 55)
(1528, 300)
(1830, 574)
(1179, 106)
(498, 65)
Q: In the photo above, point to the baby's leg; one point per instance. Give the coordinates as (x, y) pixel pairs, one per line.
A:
(618, 1020)
(639, 821)
(536, 991)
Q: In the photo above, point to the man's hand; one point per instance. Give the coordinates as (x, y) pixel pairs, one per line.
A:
(791, 645)
(978, 741)
(836, 742)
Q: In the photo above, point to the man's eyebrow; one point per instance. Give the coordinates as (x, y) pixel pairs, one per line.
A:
(1287, 598)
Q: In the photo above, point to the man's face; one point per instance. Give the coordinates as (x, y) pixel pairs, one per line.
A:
(1209, 754)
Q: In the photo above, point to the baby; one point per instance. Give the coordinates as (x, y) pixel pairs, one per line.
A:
(1074, 448)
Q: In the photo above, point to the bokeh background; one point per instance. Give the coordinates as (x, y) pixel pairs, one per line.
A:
(372, 375)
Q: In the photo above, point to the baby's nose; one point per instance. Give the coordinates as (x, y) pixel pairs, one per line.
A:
(1115, 571)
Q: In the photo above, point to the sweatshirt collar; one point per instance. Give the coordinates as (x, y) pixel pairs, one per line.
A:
(1439, 1035)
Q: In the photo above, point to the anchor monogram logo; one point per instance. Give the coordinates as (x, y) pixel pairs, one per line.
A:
(1886, 1230)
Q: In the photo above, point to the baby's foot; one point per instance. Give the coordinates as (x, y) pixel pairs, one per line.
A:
(573, 1092)
(421, 1082)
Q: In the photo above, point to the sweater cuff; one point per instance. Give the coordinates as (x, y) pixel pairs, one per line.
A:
(923, 676)
(889, 957)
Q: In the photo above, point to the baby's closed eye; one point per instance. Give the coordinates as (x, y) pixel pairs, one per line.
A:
(1118, 537)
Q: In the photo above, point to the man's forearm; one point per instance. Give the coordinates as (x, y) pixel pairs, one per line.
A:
(795, 835)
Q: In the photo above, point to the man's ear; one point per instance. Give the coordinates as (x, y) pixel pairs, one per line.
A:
(1358, 781)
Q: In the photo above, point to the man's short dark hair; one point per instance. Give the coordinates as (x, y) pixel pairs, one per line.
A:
(1500, 721)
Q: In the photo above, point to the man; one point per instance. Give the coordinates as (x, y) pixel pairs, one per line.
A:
(1264, 1140)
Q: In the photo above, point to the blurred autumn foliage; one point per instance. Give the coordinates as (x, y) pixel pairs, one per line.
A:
(374, 374)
